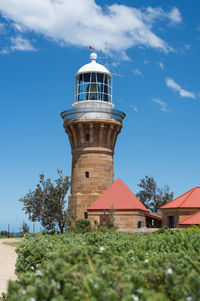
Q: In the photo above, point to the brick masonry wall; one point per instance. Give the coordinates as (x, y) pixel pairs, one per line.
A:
(179, 215)
(122, 219)
(92, 145)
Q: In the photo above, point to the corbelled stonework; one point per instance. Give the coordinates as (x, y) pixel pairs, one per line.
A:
(92, 143)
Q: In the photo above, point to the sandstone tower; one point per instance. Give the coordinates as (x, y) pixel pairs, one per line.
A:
(92, 126)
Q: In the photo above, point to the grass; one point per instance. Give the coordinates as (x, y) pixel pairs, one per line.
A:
(14, 244)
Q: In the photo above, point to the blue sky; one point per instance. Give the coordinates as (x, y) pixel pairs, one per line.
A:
(153, 44)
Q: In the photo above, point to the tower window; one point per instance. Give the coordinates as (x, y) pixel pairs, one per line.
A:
(87, 174)
(87, 137)
(85, 215)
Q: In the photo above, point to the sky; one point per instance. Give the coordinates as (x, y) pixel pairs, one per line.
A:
(153, 45)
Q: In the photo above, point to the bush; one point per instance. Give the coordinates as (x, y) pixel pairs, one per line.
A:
(82, 226)
(108, 266)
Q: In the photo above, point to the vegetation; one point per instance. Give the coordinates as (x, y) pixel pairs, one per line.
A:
(46, 204)
(108, 219)
(13, 243)
(152, 196)
(4, 234)
(24, 229)
(80, 226)
(109, 266)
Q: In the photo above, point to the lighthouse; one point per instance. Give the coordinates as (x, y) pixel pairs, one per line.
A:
(92, 125)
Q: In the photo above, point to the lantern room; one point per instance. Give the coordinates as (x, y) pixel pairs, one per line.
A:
(93, 82)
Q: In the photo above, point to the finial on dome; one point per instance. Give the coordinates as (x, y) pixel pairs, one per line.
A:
(93, 56)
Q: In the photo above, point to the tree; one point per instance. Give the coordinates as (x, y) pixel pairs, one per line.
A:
(152, 196)
(46, 204)
(25, 228)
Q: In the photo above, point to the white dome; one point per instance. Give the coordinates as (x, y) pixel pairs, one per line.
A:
(93, 66)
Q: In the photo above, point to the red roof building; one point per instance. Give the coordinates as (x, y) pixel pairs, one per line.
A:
(190, 199)
(182, 208)
(119, 197)
(192, 220)
(129, 212)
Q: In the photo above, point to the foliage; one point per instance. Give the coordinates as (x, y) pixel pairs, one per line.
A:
(6, 234)
(24, 229)
(109, 219)
(81, 226)
(46, 204)
(108, 266)
(70, 218)
(152, 196)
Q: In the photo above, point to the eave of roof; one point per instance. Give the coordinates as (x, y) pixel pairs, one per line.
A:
(153, 215)
(190, 199)
(192, 220)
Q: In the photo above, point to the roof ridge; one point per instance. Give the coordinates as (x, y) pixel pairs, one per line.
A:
(189, 217)
(178, 197)
(187, 196)
(121, 197)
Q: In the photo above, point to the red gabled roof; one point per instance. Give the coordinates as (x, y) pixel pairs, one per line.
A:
(119, 197)
(190, 199)
(192, 220)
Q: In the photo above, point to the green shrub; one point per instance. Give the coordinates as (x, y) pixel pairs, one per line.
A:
(108, 266)
(81, 226)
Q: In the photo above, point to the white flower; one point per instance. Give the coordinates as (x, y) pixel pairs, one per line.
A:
(32, 268)
(139, 290)
(101, 249)
(91, 280)
(132, 258)
(58, 286)
(96, 286)
(131, 251)
(189, 298)
(38, 273)
(135, 298)
(146, 261)
(32, 299)
(169, 271)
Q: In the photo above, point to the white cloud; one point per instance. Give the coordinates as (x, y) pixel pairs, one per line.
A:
(163, 105)
(138, 72)
(152, 14)
(175, 15)
(21, 44)
(82, 23)
(176, 87)
(135, 109)
(4, 51)
(161, 65)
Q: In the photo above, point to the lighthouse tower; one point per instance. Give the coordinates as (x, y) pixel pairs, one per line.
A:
(92, 126)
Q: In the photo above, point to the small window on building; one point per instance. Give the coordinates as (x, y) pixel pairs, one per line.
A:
(139, 224)
(87, 174)
(85, 215)
(87, 137)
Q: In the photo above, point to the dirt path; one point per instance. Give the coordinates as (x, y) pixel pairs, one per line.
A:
(8, 258)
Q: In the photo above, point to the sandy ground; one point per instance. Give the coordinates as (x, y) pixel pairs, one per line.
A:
(8, 258)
